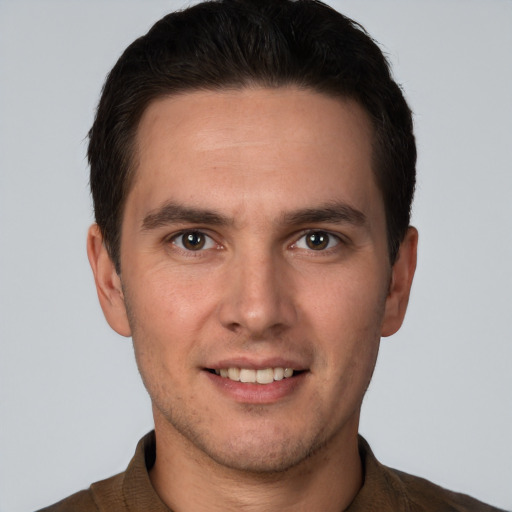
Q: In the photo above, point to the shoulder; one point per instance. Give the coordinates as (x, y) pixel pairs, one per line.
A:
(81, 501)
(390, 490)
(425, 496)
(100, 494)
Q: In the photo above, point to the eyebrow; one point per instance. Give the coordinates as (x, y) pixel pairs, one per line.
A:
(172, 212)
(337, 212)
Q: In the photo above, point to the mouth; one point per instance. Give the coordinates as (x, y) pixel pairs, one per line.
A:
(252, 376)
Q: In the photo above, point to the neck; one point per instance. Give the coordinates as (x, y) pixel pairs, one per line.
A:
(186, 479)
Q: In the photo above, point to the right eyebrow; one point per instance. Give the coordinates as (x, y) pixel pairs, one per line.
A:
(172, 212)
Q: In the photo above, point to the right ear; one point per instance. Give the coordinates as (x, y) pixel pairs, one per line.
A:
(108, 283)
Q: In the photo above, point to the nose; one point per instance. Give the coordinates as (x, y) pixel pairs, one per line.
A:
(258, 299)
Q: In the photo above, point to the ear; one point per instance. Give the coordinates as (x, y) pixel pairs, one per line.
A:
(108, 283)
(400, 285)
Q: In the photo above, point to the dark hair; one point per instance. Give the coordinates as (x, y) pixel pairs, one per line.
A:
(226, 44)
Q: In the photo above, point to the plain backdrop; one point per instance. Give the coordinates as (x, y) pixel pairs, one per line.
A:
(72, 406)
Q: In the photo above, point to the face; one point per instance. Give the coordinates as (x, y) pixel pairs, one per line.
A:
(255, 277)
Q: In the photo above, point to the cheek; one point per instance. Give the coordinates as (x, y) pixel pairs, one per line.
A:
(347, 303)
(162, 322)
(169, 303)
(346, 321)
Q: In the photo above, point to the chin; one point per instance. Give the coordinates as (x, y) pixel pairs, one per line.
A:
(261, 457)
(261, 451)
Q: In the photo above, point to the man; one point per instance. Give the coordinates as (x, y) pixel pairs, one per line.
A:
(252, 169)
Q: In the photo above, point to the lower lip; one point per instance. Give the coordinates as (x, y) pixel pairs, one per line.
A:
(257, 393)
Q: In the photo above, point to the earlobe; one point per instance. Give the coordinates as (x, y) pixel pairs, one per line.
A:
(401, 281)
(108, 283)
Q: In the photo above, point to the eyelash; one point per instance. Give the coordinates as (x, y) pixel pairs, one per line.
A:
(331, 237)
(208, 240)
(209, 243)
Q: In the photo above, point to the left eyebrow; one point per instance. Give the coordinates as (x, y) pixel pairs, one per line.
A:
(337, 212)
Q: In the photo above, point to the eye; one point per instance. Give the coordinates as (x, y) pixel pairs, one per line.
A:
(193, 241)
(317, 241)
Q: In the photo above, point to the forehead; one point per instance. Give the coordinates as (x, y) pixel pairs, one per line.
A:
(246, 116)
(284, 146)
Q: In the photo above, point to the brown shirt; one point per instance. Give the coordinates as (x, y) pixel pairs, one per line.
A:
(384, 490)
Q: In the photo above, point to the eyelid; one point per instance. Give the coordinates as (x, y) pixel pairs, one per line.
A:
(332, 237)
(210, 243)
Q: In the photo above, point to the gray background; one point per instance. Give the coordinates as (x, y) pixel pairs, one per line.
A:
(71, 403)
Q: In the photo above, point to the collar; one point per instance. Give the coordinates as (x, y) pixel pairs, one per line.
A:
(382, 489)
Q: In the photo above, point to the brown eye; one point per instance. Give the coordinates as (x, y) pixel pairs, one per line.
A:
(193, 241)
(317, 240)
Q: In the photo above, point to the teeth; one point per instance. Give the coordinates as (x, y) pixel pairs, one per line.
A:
(266, 376)
(234, 373)
(278, 373)
(247, 375)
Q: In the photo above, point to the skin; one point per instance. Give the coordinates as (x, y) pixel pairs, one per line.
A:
(256, 294)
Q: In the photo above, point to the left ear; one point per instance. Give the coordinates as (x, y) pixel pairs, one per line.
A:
(400, 285)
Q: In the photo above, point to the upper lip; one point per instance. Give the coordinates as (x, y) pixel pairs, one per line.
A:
(254, 363)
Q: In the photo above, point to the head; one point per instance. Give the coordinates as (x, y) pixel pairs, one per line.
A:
(237, 44)
(252, 166)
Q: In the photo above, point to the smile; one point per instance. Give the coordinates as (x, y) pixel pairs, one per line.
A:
(264, 376)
